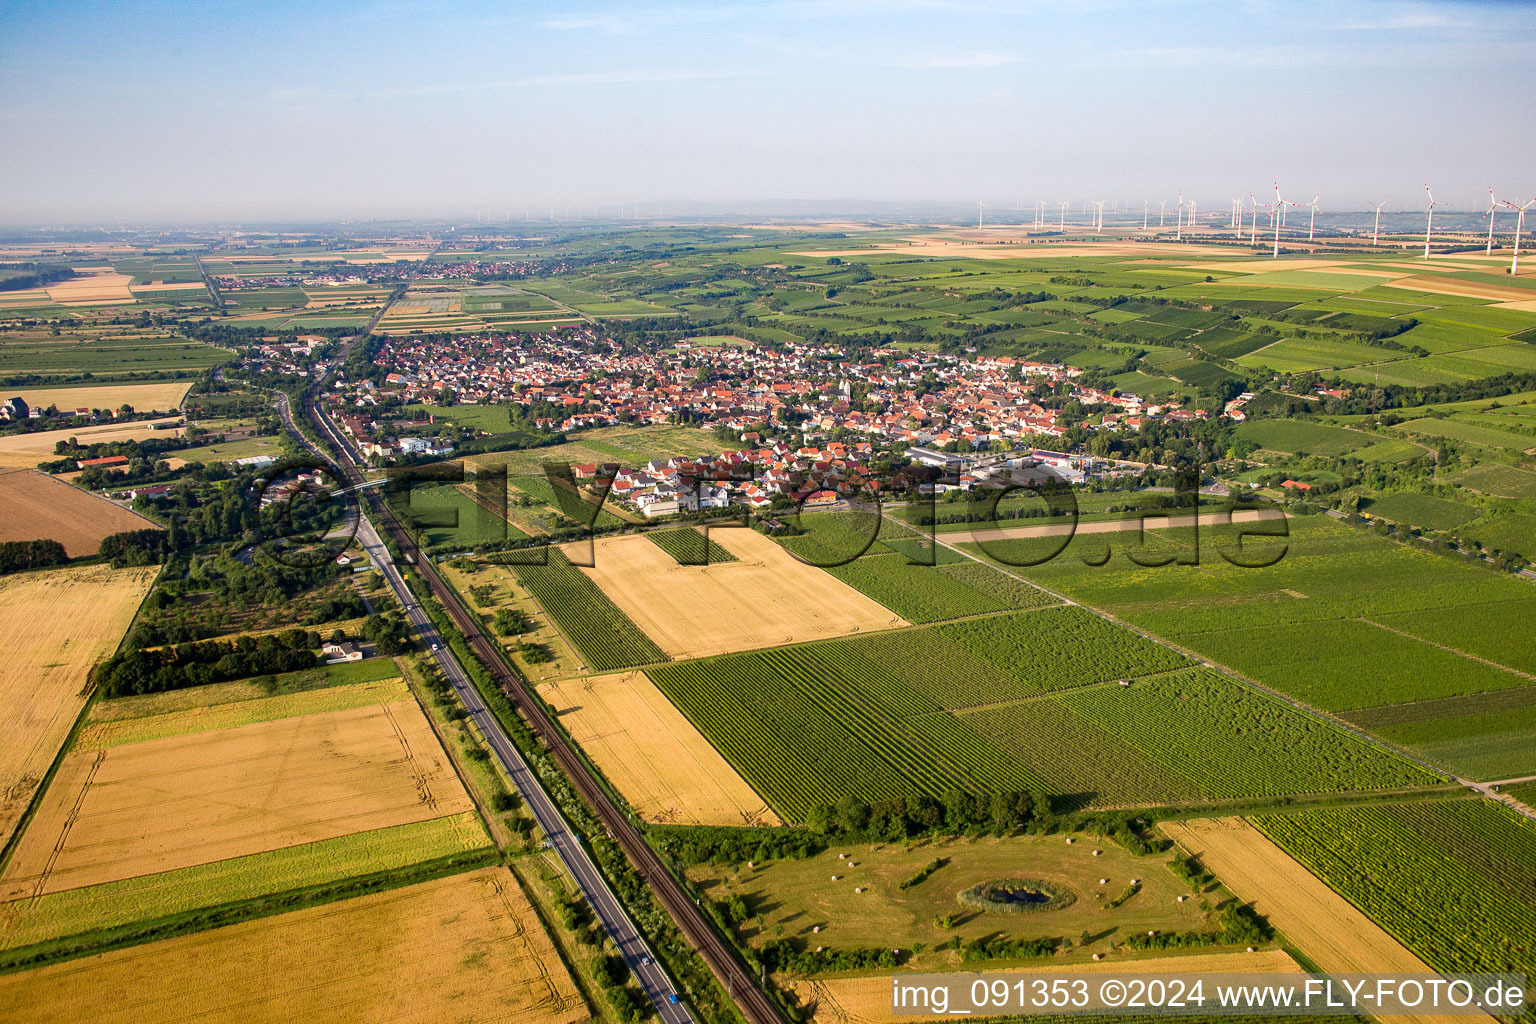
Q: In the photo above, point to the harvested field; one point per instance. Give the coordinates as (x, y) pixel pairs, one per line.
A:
(867, 1000)
(667, 771)
(30, 449)
(764, 598)
(99, 733)
(467, 947)
(1326, 926)
(35, 506)
(54, 626)
(1455, 286)
(146, 397)
(114, 813)
(95, 286)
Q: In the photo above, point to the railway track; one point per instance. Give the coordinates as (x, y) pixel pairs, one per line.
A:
(690, 919)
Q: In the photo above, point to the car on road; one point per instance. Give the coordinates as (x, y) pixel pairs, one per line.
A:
(434, 647)
(672, 998)
(646, 961)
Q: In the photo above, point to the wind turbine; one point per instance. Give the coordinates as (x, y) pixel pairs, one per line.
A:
(1313, 219)
(1237, 213)
(1179, 234)
(1492, 206)
(1162, 212)
(1279, 216)
(1514, 265)
(978, 214)
(1376, 231)
(1146, 206)
(1064, 203)
(1431, 221)
(1098, 220)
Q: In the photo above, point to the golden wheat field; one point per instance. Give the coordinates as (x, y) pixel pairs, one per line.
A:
(54, 626)
(666, 770)
(164, 395)
(30, 449)
(868, 1000)
(36, 506)
(766, 597)
(141, 808)
(464, 948)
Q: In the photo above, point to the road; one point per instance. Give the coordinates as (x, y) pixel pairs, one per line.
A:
(565, 843)
(696, 928)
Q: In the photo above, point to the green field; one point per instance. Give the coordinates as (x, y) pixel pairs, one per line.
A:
(1001, 701)
(690, 546)
(1450, 880)
(147, 897)
(492, 419)
(1294, 437)
(110, 357)
(229, 451)
(448, 519)
(1423, 510)
(1486, 736)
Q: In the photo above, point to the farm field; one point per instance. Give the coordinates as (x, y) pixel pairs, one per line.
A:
(1344, 620)
(1485, 736)
(645, 747)
(448, 519)
(762, 598)
(1298, 436)
(487, 956)
(35, 506)
(133, 901)
(690, 546)
(27, 450)
(1324, 925)
(867, 1000)
(1423, 510)
(591, 622)
(132, 809)
(797, 896)
(107, 356)
(142, 397)
(1449, 880)
(229, 451)
(1020, 700)
(155, 716)
(55, 624)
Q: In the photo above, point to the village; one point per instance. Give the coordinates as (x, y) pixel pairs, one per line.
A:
(811, 423)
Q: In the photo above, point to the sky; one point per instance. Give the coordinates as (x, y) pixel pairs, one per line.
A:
(186, 113)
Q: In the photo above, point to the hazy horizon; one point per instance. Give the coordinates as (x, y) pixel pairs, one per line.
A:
(189, 114)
